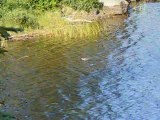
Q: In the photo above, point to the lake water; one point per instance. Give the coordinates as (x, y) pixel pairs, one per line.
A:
(114, 77)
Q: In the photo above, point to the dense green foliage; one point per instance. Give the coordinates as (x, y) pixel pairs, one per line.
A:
(83, 4)
(25, 13)
(50, 4)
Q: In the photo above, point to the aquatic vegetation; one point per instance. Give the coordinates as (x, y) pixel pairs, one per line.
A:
(6, 116)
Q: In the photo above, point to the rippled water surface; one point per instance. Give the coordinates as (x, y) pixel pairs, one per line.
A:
(116, 77)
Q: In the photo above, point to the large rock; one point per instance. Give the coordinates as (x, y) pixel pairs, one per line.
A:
(116, 6)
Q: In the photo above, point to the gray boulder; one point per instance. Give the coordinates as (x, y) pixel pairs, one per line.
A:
(116, 6)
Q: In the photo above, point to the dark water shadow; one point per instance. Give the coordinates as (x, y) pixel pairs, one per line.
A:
(2, 51)
(4, 31)
(4, 35)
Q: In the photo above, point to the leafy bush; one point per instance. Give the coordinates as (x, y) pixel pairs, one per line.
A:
(50, 4)
(44, 4)
(26, 20)
(22, 18)
(86, 5)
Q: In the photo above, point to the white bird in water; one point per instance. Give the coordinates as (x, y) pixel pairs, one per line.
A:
(85, 59)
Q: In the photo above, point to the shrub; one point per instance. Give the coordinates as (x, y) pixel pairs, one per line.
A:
(21, 18)
(86, 5)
